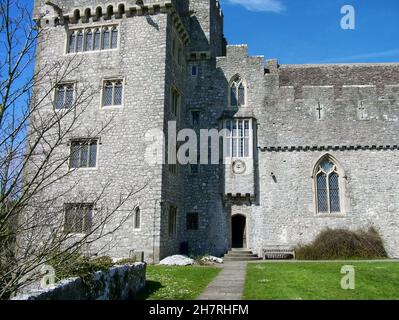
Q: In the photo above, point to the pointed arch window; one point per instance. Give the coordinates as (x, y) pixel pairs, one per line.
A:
(327, 182)
(237, 92)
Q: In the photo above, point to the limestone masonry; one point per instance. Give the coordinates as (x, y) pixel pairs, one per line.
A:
(311, 146)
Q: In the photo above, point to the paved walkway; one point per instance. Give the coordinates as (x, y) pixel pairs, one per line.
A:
(228, 284)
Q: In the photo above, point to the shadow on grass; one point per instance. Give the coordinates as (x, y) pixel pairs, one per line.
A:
(150, 288)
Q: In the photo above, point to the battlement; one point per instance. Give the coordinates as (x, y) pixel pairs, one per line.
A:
(76, 12)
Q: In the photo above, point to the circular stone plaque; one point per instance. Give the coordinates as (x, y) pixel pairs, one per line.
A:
(239, 167)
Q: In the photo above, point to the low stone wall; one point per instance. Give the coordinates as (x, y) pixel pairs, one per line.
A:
(117, 283)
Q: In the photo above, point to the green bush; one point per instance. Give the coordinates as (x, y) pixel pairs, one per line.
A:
(76, 265)
(343, 244)
(126, 261)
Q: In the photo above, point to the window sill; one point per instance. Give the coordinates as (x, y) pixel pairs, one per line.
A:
(331, 215)
(111, 107)
(83, 169)
(91, 52)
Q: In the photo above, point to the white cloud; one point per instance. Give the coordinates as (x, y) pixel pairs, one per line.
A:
(260, 5)
(365, 56)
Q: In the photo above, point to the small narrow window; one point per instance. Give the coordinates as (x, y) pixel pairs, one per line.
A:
(112, 93)
(137, 219)
(64, 96)
(172, 220)
(114, 38)
(192, 221)
(83, 154)
(195, 118)
(78, 218)
(194, 70)
(175, 108)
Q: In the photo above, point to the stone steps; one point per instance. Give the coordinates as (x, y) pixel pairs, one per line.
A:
(240, 255)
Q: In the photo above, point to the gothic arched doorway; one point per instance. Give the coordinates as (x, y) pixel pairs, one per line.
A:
(238, 234)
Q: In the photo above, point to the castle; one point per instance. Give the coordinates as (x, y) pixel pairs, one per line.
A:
(310, 146)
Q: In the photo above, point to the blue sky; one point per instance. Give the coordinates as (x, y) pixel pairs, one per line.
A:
(309, 31)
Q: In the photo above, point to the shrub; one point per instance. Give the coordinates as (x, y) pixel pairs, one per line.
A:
(76, 265)
(343, 244)
(126, 261)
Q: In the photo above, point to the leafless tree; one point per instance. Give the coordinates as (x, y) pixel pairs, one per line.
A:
(34, 155)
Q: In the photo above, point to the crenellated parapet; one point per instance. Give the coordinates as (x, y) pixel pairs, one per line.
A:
(53, 13)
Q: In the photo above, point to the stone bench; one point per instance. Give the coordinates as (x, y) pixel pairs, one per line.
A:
(278, 252)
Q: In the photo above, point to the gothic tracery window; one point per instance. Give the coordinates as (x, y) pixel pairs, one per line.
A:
(328, 199)
(237, 92)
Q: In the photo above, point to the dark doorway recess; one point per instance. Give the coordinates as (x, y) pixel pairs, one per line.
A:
(238, 231)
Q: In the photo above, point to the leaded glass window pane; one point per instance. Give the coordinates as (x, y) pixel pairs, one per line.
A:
(72, 41)
(322, 200)
(108, 94)
(114, 38)
(69, 96)
(88, 216)
(241, 95)
(240, 140)
(118, 94)
(79, 42)
(327, 166)
(97, 40)
(233, 95)
(93, 154)
(106, 37)
(89, 41)
(334, 193)
(84, 153)
(78, 218)
(246, 147)
(75, 155)
(59, 99)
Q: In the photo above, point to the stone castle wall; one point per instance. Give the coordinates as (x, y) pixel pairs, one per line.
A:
(301, 113)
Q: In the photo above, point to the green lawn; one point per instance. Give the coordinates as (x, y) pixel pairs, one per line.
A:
(177, 283)
(321, 281)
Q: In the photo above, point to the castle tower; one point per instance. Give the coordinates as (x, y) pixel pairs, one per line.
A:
(206, 27)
